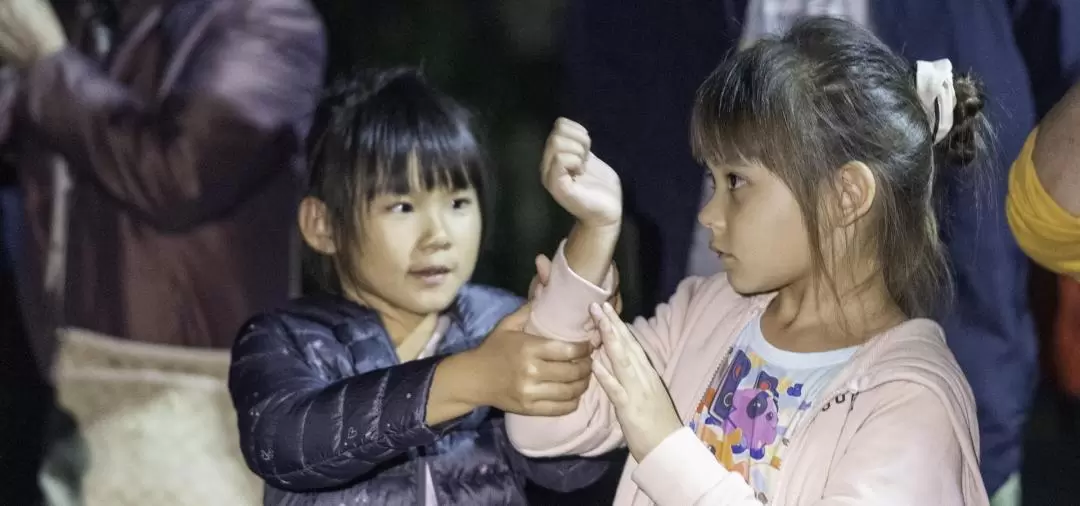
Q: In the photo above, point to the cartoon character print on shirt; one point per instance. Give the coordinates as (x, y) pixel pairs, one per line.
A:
(739, 421)
(749, 412)
(746, 411)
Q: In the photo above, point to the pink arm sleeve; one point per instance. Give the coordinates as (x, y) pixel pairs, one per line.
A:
(561, 311)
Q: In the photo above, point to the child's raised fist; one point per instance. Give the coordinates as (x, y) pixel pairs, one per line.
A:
(580, 182)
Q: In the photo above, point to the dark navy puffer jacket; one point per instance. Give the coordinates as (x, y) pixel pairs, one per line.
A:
(329, 416)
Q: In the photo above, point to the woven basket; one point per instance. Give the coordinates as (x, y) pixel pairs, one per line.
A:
(157, 420)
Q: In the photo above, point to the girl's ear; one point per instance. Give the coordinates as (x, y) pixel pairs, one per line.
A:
(857, 189)
(315, 226)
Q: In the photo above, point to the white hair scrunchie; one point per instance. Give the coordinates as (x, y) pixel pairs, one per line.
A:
(934, 82)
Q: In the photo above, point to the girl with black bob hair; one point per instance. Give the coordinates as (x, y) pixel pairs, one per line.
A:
(387, 386)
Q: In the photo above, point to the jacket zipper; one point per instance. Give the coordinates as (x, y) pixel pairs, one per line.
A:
(801, 421)
(725, 363)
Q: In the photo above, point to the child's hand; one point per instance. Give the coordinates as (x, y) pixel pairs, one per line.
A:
(580, 182)
(528, 375)
(642, 403)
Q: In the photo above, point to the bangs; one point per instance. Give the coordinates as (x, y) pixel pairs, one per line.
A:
(416, 143)
(744, 111)
(450, 161)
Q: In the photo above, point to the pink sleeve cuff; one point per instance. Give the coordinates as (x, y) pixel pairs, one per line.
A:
(679, 471)
(562, 309)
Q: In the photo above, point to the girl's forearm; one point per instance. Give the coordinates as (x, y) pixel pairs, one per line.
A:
(589, 250)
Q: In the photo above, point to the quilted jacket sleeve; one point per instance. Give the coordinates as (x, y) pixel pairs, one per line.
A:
(300, 431)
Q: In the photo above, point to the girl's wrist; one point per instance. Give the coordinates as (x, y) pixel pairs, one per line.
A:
(589, 250)
(455, 389)
(601, 228)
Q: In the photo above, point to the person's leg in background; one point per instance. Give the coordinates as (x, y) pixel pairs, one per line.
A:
(25, 397)
(43, 457)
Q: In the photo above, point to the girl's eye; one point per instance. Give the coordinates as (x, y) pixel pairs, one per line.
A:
(400, 207)
(462, 202)
(735, 181)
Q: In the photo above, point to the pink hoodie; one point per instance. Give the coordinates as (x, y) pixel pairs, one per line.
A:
(898, 427)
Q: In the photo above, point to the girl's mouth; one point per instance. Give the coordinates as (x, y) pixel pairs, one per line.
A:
(434, 275)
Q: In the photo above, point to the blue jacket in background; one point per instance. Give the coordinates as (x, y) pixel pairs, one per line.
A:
(329, 416)
(632, 68)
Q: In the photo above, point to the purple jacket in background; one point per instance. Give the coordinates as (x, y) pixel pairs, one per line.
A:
(186, 150)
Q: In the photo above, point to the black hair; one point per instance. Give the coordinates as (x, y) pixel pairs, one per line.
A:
(828, 93)
(382, 132)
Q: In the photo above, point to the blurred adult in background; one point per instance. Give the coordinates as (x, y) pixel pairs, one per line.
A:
(183, 141)
(1044, 212)
(179, 126)
(631, 72)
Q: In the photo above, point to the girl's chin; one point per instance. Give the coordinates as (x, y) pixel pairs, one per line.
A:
(436, 300)
(746, 285)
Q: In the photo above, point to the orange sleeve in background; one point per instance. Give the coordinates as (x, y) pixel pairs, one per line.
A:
(1045, 231)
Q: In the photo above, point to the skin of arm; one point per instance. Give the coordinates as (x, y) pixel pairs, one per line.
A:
(1057, 152)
